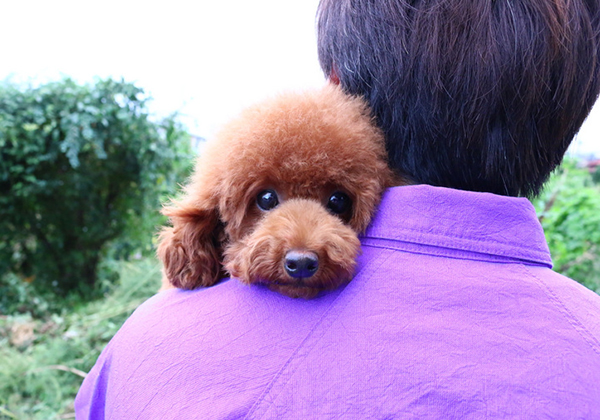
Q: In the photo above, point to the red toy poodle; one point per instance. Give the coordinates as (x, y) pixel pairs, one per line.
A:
(279, 197)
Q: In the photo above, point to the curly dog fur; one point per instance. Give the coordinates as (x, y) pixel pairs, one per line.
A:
(304, 149)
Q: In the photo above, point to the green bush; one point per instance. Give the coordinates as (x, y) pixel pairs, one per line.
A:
(569, 210)
(81, 166)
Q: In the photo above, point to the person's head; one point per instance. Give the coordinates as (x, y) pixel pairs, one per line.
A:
(482, 95)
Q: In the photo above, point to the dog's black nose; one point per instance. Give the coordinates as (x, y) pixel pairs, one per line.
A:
(301, 264)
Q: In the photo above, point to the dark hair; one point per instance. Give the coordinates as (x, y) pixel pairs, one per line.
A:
(482, 95)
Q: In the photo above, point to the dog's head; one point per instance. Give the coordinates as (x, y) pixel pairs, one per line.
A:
(280, 196)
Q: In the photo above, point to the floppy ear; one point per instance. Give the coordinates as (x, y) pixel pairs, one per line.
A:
(191, 250)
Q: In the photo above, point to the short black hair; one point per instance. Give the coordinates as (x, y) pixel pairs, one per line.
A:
(472, 94)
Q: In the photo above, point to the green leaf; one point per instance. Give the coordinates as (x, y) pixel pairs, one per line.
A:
(80, 163)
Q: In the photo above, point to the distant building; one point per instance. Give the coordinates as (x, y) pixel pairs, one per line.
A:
(593, 165)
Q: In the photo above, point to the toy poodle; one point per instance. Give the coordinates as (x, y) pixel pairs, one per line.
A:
(279, 197)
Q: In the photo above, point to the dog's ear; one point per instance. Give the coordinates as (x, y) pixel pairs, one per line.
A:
(191, 250)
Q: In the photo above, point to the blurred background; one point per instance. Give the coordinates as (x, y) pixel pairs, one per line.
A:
(205, 60)
(102, 108)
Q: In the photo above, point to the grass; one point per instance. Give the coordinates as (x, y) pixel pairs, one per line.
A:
(43, 361)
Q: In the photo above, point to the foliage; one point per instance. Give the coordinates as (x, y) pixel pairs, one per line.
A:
(22, 297)
(42, 361)
(569, 210)
(81, 166)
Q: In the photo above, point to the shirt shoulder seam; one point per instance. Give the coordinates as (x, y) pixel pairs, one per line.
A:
(285, 368)
(571, 318)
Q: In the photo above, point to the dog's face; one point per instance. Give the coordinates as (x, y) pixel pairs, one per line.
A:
(280, 196)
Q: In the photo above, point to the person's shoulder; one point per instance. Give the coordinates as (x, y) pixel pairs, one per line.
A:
(176, 306)
(190, 346)
(213, 314)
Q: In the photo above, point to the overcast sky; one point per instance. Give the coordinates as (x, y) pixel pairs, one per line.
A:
(205, 59)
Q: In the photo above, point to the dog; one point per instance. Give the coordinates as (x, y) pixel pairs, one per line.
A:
(279, 197)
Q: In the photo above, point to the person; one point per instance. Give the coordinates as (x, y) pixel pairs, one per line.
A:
(454, 312)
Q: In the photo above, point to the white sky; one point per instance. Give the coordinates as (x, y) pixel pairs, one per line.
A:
(205, 59)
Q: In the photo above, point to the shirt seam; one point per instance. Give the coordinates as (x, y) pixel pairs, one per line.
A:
(540, 259)
(381, 234)
(292, 357)
(438, 241)
(571, 318)
(509, 260)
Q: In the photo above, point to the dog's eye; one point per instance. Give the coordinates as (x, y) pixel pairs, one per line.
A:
(339, 203)
(267, 200)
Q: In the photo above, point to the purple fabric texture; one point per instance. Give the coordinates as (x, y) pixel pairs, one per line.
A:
(454, 313)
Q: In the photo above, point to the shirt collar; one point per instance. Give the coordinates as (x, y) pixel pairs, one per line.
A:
(459, 224)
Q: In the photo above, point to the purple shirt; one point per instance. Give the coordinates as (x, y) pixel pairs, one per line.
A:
(454, 313)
